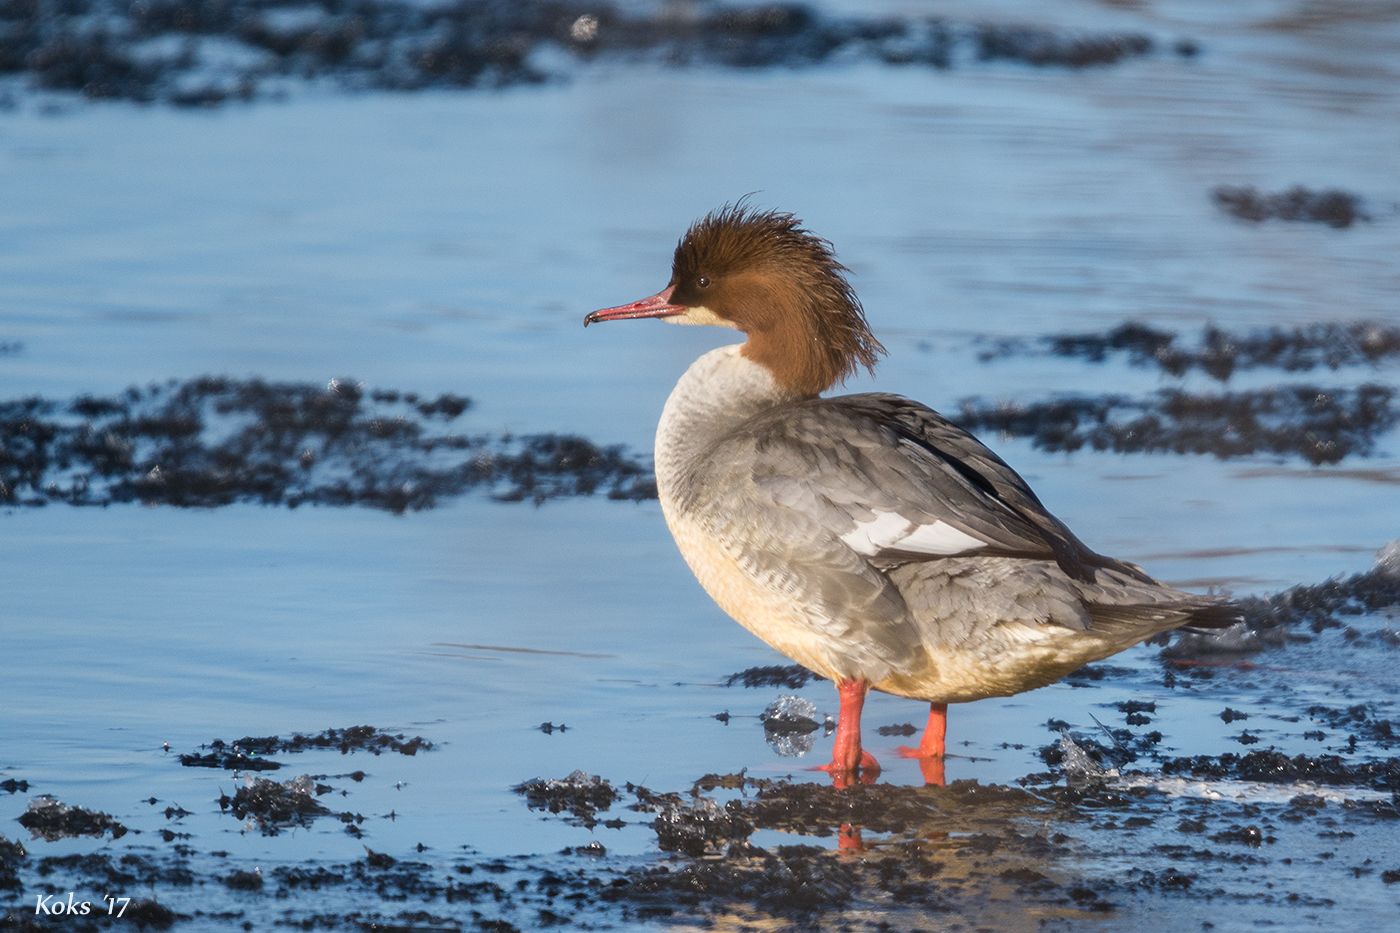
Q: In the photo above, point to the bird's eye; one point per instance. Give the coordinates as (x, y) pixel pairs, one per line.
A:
(703, 281)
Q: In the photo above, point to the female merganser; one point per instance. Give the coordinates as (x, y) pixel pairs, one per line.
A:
(865, 536)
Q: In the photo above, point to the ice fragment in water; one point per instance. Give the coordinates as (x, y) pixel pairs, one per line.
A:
(1079, 768)
(788, 724)
(1388, 559)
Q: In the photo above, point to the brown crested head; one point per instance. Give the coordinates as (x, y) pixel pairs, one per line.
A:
(762, 273)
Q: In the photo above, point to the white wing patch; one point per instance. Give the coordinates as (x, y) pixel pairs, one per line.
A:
(939, 538)
(892, 531)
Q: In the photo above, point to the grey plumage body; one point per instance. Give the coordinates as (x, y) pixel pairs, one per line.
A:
(870, 539)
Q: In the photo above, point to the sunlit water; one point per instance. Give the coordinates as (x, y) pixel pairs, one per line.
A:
(453, 241)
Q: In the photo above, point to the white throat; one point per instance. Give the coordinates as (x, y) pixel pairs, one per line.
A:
(720, 391)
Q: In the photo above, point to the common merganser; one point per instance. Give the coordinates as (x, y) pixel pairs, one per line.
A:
(865, 536)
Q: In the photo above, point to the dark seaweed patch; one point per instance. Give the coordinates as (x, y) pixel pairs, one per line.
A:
(966, 856)
(311, 879)
(792, 676)
(702, 827)
(740, 781)
(346, 741)
(273, 806)
(229, 758)
(817, 810)
(1332, 207)
(1168, 880)
(244, 881)
(50, 819)
(146, 912)
(794, 884)
(1319, 425)
(246, 754)
(1220, 353)
(580, 793)
(1317, 606)
(1251, 836)
(1093, 673)
(906, 729)
(1360, 722)
(103, 48)
(96, 866)
(797, 882)
(214, 441)
(1273, 767)
(1036, 46)
(12, 855)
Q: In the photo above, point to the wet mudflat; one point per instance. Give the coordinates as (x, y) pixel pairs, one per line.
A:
(334, 595)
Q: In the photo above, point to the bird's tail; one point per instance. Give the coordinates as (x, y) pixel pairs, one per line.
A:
(1119, 601)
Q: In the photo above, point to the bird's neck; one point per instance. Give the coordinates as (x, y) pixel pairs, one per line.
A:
(718, 393)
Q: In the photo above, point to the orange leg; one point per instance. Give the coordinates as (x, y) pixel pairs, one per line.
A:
(933, 745)
(935, 737)
(847, 757)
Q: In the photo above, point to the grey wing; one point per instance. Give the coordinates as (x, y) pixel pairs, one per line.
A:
(821, 499)
(984, 493)
(898, 482)
(786, 543)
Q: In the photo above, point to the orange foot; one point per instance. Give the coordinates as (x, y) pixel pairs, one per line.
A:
(866, 772)
(930, 765)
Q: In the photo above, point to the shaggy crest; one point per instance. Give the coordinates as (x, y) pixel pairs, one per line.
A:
(782, 286)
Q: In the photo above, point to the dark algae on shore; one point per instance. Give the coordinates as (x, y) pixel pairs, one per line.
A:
(106, 49)
(1335, 208)
(971, 854)
(1218, 353)
(1119, 823)
(52, 819)
(251, 753)
(215, 441)
(1321, 425)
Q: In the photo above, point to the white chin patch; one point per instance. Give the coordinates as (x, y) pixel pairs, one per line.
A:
(700, 315)
(890, 531)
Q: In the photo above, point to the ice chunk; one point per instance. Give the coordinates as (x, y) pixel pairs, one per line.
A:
(1388, 560)
(1078, 766)
(1246, 791)
(788, 725)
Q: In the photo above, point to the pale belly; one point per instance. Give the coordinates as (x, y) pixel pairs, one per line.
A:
(769, 615)
(1021, 660)
(960, 677)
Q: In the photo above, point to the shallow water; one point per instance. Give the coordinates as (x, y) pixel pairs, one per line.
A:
(451, 242)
